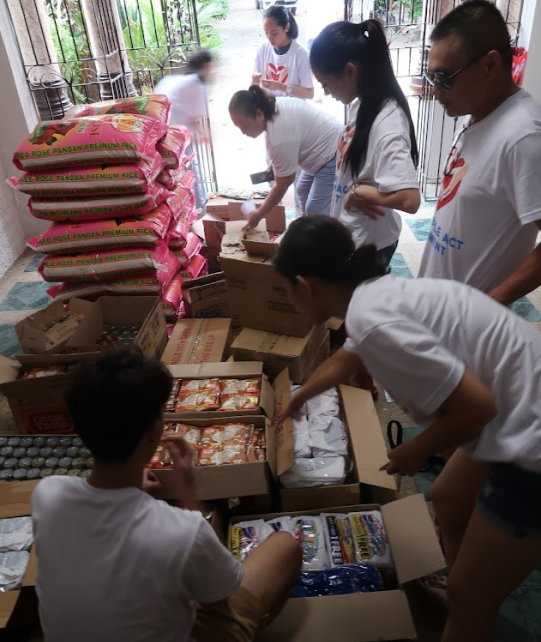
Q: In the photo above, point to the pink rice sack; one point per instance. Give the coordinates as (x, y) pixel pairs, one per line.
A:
(106, 180)
(95, 209)
(95, 140)
(193, 247)
(198, 266)
(156, 106)
(105, 265)
(172, 298)
(139, 231)
(180, 227)
(173, 145)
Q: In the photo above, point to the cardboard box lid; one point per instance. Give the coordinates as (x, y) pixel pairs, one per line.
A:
(259, 342)
(204, 288)
(192, 339)
(366, 438)
(275, 219)
(358, 617)
(414, 544)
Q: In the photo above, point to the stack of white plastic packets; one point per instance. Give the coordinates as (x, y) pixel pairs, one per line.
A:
(113, 178)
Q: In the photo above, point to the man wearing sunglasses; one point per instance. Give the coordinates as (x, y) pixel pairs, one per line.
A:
(489, 208)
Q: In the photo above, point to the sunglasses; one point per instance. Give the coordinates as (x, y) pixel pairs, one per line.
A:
(446, 80)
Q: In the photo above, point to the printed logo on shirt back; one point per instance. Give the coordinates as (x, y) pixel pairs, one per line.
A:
(281, 73)
(343, 144)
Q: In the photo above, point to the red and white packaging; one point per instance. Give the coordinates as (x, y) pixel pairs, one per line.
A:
(174, 144)
(193, 246)
(198, 266)
(172, 298)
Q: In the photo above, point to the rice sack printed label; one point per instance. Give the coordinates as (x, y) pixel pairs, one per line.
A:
(339, 538)
(107, 180)
(156, 106)
(105, 264)
(96, 140)
(173, 145)
(193, 247)
(171, 178)
(172, 298)
(138, 285)
(370, 538)
(96, 209)
(198, 266)
(66, 238)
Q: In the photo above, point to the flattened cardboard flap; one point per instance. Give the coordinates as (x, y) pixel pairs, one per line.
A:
(366, 437)
(285, 452)
(9, 371)
(15, 498)
(415, 546)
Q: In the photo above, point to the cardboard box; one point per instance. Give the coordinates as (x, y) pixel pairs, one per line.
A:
(258, 298)
(206, 297)
(280, 351)
(367, 452)
(197, 341)
(37, 337)
(38, 404)
(227, 480)
(145, 311)
(227, 370)
(20, 606)
(227, 208)
(366, 617)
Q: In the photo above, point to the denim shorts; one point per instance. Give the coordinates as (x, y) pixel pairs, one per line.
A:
(510, 500)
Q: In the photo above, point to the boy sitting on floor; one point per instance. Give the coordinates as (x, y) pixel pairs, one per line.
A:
(114, 564)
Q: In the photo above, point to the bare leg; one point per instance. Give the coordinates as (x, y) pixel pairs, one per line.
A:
(482, 577)
(453, 495)
(271, 571)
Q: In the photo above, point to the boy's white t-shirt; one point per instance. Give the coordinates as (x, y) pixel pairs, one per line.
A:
(291, 68)
(120, 565)
(300, 136)
(417, 337)
(188, 98)
(483, 227)
(388, 166)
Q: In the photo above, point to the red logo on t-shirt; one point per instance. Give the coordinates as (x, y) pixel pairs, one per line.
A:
(344, 143)
(455, 171)
(277, 73)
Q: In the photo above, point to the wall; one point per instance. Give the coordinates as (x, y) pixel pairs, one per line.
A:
(17, 117)
(532, 77)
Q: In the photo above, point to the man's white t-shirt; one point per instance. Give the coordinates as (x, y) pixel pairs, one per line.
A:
(300, 136)
(417, 337)
(188, 98)
(388, 166)
(120, 565)
(483, 228)
(291, 68)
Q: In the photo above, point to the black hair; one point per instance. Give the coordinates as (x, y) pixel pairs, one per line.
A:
(247, 102)
(283, 17)
(197, 60)
(480, 27)
(320, 246)
(114, 400)
(365, 46)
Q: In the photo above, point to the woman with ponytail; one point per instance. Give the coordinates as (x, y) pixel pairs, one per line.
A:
(469, 372)
(281, 66)
(377, 155)
(296, 135)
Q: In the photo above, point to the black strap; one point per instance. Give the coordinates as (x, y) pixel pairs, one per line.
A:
(394, 443)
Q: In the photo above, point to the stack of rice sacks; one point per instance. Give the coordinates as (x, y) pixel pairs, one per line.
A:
(114, 179)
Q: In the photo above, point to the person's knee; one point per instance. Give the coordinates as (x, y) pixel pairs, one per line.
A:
(443, 499)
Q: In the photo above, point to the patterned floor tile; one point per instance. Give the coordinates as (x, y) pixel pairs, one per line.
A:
(420, 227)
(34, 263)
(526, 309)
(9, 342)
(399, 267)
(29, 295)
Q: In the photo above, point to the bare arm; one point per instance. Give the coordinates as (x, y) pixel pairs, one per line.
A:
(276, 194)
(462, 416)
(525, 279)
(182, 455)
(365, 197)
(306, 93)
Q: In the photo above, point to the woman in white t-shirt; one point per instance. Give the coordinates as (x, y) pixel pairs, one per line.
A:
(281, 65)
(468, 370)
(296, 135)
(377, 155)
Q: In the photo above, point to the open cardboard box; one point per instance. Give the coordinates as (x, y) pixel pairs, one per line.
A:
(145, 311)
(258, 297)
(195, 341)
(301, 355)
(367, 452)
(206, 297)
(34, 336)
(366, 617)
(38, 404)
(227, 370)
(19, 607)
(227, 480)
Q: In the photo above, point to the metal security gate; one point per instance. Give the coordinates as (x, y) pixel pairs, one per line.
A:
(408, 24)
(79, 51)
